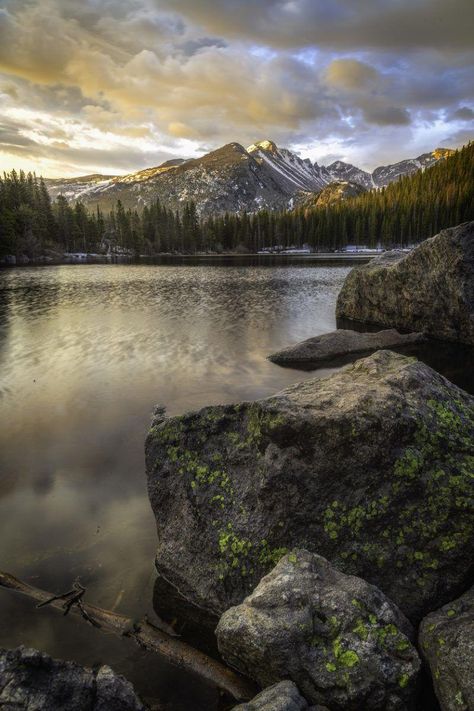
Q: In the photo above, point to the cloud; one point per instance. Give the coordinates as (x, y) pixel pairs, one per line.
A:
(386, 115)
(464, 113)
(351, 74)
(165, 77)
(12, 137)
(337, 24)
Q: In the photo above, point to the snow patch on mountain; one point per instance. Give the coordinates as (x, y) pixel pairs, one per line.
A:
(232, 179)
(295, 173)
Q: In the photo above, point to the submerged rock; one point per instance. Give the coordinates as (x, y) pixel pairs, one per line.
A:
(370, 467)
(279, 697)
(447, 643)
(33, 681)
(430, 289)
(342, 343)
(337, 637)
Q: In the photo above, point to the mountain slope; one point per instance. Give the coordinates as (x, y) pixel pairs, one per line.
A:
(226, 180)
(231, 179)
(335, 192)
(293, 173)
(350, 173)
(386, 174)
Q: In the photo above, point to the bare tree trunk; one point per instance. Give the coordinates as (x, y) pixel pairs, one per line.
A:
(145, 634)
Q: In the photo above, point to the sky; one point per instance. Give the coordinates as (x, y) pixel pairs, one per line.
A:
(114, 86)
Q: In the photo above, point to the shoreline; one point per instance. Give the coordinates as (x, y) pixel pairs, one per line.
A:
(166, 257)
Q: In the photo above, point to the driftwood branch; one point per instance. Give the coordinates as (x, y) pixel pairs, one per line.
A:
(145, 634)
(73, 597)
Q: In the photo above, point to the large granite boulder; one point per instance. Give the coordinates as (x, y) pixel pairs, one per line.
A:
(341, 343)
(446, 640)
(430, 289)
(340, 639)
(370, 467)
(283, 696)
(33, 681)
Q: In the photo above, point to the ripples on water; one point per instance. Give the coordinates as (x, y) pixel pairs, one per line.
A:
(86, 352)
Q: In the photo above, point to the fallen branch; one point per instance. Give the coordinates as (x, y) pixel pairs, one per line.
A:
(145, 634)
(73, 597)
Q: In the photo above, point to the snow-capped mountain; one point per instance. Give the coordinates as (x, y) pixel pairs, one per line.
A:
(346, 172)
(231, 179)
(386, 174)
(294, 173)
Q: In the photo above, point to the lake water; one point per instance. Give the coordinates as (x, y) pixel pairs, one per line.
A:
(86, 352)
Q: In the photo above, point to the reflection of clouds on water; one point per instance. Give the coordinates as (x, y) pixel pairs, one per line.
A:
(174, 315)
(88, 352)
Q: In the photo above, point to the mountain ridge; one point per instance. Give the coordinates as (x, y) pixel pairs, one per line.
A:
(231, 179)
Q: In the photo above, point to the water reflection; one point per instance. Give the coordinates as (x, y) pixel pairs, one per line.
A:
(85, 354)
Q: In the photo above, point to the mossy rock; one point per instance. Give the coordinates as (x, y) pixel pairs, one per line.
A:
(446, 641)
(371, 467)
(339, 639)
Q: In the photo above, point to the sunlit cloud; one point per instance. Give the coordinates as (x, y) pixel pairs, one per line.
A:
(107, 86)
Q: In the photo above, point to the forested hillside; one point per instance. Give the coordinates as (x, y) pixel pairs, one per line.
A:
(405, 212)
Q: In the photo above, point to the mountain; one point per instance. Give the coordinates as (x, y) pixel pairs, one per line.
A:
(293, 173)
(228, 179)
(231, 179)
(97, 189)
(74, 188)
(406, 212)
(350, 173)
(334, 192)
(386, 174)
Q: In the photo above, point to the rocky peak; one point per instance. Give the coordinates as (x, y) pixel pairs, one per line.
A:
(222, 157)
(265, 145)
(439, 153)
(339, 165)
(341, 171)
(232, 179)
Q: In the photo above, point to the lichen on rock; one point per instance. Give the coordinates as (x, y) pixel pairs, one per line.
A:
(446, 640)
(371, 467)
(338, 638)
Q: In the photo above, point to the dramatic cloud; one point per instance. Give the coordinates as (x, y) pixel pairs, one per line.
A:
(104, 85)
(336, 24)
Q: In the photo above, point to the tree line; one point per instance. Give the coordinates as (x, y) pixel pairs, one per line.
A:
(405, 212)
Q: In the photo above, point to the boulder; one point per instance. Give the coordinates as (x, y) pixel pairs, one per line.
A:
(342, 343)
(430, 289)
(33, 681)
(370, 468)
(283, 696)
(446, 640)
(337, 637)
